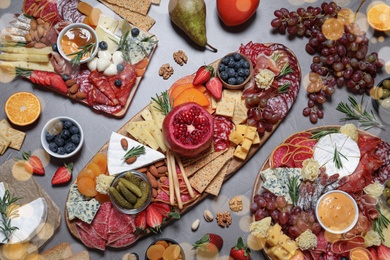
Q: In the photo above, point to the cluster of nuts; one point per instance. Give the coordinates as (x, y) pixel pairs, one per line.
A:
(235, 204)
(180, 57)
(156, 174)
(165, 71)
(224, 219)
(37, 35)
(73, 89)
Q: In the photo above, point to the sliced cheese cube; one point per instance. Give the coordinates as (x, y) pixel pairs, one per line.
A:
(236, 138)
(241, 129)
(278, 252)
(290, 246)
(240, 153)
(246, 145)
(274, 235)
(250, 132)
(257, 138)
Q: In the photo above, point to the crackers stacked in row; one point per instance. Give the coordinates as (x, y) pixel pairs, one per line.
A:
(10, 137)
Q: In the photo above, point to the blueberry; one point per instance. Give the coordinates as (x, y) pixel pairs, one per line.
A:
(231, 72)
(225, 60)
(224, 75)
(65, 77)
(74, 130)
(237, 56)
(238, 65)
(59, 141)
(118, 83)
(232, 81)
(69, 147)
(135, 32)
(67, 124)
(245, 64)
(53, 147)
(221, 67)
(103, 45)
(75, 138)
(344, 258)
(241, 72)
(247, 72)
(49, 137)
(54, 47)
(231, 64)
(240, 80)
(120, 67)
(65, 134)
(61, 150)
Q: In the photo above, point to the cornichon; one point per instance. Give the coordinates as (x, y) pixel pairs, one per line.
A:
(131, 186)
(122, 202)
(129, 196)
(134, 179)
(145, 188)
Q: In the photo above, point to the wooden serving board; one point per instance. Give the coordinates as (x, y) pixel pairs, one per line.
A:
(257, 188)
(234, 166)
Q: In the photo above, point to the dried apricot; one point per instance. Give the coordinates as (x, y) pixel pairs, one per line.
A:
(88, 173)
(162, 242)
(87, 187)
(171, 252)
(155, 252)
(94, 168)
(101, 160)
(102, 198)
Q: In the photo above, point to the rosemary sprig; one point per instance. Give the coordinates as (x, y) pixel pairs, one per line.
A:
(83, 50)
(284, 88)
(134, 152)
(337, 158)
(380, 223)
(5, 223)
(293, 189)
(323, 133)
(356, 112)
(163, 102)
(285, 70)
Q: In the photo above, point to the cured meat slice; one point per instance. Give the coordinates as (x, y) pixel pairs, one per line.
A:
(95, 96)
(102, 83)
(46, 10)
(124, 241)
(383, 151)
(69, 12)
(278, 105)
(99, 223)
(118, 221)
(222, 129)
(128, 77)
(89, 236)
(112, 237)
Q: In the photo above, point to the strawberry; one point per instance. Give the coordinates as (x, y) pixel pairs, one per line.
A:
(383, 252)
(63, 174)
(214, 85)
(240, 251)
(153, 219)
(209, 242)
(33, 164)
(165, 210)
(140, 222)
(374, 253)
(203, 75)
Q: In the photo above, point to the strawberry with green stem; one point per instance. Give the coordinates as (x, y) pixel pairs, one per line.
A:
(203, 74)
(240, 251)
(209, 242)
(63, 174)
(153, 219)
(33, 164)
(140, 222)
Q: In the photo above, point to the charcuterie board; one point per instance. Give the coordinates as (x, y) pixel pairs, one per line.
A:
(207, 171)
(282, 166)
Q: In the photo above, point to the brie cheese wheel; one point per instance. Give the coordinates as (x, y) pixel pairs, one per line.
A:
(115, 162)
(29, 221)
(349, 154)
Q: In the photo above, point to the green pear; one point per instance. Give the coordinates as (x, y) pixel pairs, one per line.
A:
(190, 16)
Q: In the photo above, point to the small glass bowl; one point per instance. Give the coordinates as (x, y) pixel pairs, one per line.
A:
(142, 177)
(237, 86)
(170, 242)
(354, 221)
(83, 27)
(51, 124)
(381, 106)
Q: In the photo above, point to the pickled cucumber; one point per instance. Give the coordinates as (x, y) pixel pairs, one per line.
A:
(119, 199)
(127, 194)
(134, 179)
(131, 186)
(386, 84)
(145, 188)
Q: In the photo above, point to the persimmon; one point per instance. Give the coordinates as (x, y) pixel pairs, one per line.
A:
(87, 187)
(184, 80)
(191, 95)
(180, 88)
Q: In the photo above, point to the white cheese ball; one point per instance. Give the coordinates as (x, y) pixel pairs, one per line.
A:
(111, 70)
(92, 64)
(117, 57)
(104, 54)
(102, 64)
(351, 131)
(310, 169)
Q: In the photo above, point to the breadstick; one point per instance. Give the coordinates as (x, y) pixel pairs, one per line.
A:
(176, 184)
(170, 178)
(183, 173)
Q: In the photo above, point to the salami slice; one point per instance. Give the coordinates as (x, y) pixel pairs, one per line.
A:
(90, 238)
(126, 240)
(118, 221)
(113, 237)
(278, 105)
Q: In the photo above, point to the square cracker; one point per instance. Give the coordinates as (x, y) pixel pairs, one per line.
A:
(216, 184)
(138, 6)
(4, 125)
(202, 178)
(4, 142)
(225, 107)
(199, 164)
(16, 137)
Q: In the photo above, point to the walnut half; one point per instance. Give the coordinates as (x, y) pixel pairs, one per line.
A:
(165, 71)
(224, 219)
(180, 57)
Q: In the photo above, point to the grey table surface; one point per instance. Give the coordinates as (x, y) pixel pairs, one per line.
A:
(98, 127)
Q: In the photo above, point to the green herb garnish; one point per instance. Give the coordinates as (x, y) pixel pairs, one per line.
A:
(5, 223)
(163, 102)
(357, 112)
(293, 189)
(285, 70)
(337, 158)
(134, 152)
(380, 223)
(83, 50)
(284, 88)
(323, 133)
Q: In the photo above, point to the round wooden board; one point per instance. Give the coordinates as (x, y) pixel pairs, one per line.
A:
(234, 165)
(257, 184)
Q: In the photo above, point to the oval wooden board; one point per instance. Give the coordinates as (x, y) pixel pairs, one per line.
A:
(257, 185)
(234, 165)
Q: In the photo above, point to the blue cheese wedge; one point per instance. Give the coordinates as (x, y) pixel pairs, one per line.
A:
(348, 149)
(115, 154)
(75, 195)
(83, 210)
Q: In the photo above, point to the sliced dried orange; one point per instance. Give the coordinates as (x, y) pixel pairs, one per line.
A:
(378, 17)
(22, 108)
(333, 29)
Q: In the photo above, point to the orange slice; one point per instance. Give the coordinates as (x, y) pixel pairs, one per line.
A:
(378, 17)
(22, 108)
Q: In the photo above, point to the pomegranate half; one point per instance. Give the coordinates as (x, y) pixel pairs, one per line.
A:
(188, 129)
